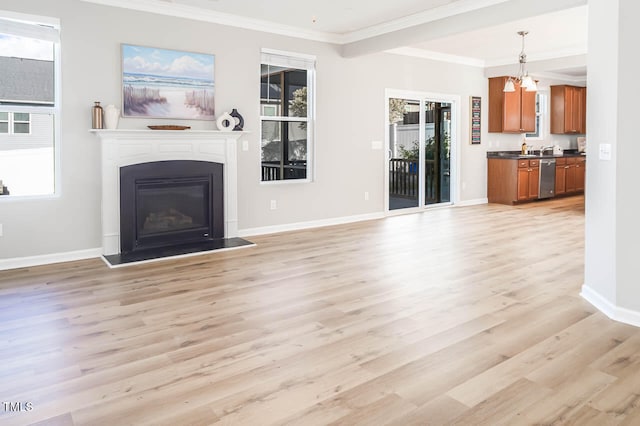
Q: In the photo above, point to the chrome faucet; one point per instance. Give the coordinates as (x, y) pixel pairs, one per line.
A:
(544, 148)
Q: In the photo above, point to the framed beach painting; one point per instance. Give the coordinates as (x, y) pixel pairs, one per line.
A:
(161, 83)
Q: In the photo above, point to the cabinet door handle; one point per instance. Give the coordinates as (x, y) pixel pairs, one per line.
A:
(566, 167)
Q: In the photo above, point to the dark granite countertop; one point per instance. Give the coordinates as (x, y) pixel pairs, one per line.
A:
(510, 155)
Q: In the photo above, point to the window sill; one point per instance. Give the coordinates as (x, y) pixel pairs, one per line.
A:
(285, 181)
(20, 198)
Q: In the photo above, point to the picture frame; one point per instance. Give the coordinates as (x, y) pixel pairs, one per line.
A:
(475, 113)
(164, 83)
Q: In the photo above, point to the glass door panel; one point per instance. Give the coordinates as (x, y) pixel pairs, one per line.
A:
(404, 150)
(437, 152)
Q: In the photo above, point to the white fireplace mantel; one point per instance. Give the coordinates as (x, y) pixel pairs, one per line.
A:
(126, 147)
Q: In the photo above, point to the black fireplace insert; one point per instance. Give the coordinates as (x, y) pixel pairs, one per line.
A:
(170, 203)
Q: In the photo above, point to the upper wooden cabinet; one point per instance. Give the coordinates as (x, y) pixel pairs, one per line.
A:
(511, 112)
(568, 110)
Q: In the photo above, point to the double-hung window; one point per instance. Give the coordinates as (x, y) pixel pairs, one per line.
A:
(15, 122)
(287, 85)
(29, 64)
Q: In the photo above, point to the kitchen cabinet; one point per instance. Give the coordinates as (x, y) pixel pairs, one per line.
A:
(512, 180)
(561, 176)
(568, 110)
(528, 179)
(581, 169)
(570, 175)
(511, 112)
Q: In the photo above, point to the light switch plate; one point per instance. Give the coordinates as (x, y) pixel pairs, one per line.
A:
(376, 145)
(604, 151)
(245, 145)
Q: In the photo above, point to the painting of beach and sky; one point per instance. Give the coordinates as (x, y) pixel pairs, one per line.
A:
(160, 83)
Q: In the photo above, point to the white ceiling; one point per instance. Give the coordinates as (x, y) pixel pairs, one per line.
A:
(550, 35)
(331, 16)
(557, 34)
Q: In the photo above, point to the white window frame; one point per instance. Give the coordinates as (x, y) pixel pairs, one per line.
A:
(14, 122)
(541, 115)
(8, 121)
(11, 122)
(45, 28)
(298, 61)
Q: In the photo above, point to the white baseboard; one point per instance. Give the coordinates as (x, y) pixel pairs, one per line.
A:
(24, 262)
(614, 312)
(45, 259)
(248, 232)
(307, 225)
(475, 202)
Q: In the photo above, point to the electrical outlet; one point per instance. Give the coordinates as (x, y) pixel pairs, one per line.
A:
(366, 195)
(274, 205)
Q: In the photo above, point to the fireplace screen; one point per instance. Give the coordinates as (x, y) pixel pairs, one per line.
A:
(169, 203)
(170, 207)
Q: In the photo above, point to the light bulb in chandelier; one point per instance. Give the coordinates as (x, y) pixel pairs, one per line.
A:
(528, 83)
(509, 86)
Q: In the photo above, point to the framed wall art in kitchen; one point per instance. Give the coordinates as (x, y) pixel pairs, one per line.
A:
(475, 112)
(161, 83)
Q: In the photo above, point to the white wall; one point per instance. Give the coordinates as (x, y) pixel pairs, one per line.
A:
(602, 99)
(611, 265)
(628, 152)
(350, 114)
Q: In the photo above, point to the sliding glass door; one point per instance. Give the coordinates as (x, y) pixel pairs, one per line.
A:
(419, 152)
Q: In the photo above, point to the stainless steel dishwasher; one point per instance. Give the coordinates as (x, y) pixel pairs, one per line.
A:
(547, 178)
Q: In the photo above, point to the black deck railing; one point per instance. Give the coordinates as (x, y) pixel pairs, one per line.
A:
(273, 170)
(404, 179)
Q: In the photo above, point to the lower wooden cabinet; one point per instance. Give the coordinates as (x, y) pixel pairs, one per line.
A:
(570, 175)
(581, 169)
(528, 179)
(511, 181)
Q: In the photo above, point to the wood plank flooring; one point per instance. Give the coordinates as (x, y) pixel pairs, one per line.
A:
(465, 316)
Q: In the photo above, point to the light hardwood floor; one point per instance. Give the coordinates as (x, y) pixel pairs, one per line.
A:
(467, 315)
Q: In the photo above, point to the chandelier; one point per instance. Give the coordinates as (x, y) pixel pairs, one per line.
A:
(523, 77)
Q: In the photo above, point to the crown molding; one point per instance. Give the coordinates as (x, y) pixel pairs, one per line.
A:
(560, 77)
(441, 12)
(437, 56)
(199, 14)
(541, 56)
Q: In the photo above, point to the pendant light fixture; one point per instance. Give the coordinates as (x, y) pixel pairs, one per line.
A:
(523, 77)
